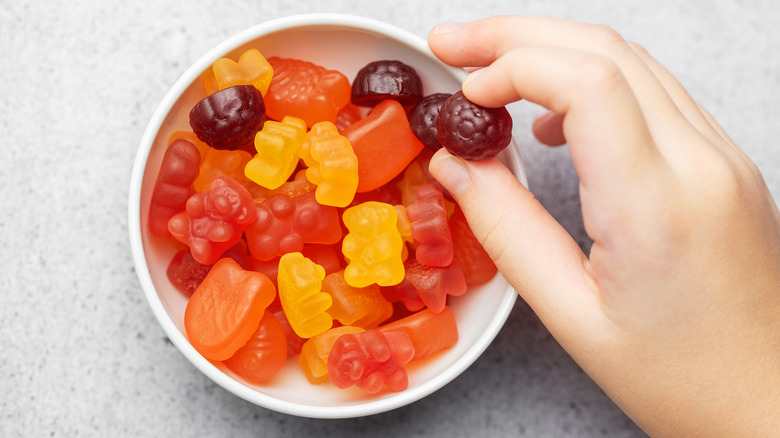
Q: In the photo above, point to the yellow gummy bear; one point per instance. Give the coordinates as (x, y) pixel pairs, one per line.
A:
(332, 165)
(300, 291)
(277, 152)
(251, 69)
(373, 245)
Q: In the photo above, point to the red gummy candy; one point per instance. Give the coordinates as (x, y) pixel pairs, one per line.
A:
(294, 342)
(263, 356)
(186, 274)
(477, 265)
(427, 286)
(370, 360)
(178, 170)
(430, 228)
(214, 219)
(285, 224)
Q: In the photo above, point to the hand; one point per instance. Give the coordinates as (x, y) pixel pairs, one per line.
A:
(675, 312)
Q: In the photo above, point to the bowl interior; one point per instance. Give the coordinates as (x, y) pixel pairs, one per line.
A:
(343, 43)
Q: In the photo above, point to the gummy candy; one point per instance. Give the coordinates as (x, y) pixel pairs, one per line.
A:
(386, 79)
(370, 360)
(427, 286)
(300, 290)
(373, 245)
(285, 224)
(226, 309)
(422, 119)
(277, 152)
(178, 170)
(263, 356)
(315, 352)
(430, 228)
(186, 274)
(383, 143)
(214, 220)
(430, 332)
(305, 90)
(364, 307)
(471, 131)
(294, 342)
(477, 265)
(228, 118)
(332, 165)
(251, 69)
(412, 179)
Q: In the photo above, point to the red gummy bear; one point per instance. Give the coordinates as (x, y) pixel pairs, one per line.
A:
(427, 286)
(477, 264)
(430, 229)
(370, 360)
(178, 170)
(285, 224)
(214, 219)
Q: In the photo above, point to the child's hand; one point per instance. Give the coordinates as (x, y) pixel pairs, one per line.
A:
(676, 311)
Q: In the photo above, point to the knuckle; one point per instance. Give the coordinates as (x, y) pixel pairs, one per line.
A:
(605, 35)
(599, 73)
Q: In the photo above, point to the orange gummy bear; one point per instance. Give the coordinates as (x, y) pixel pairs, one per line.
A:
(332, 165)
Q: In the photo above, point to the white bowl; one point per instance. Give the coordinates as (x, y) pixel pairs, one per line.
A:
(345, 43)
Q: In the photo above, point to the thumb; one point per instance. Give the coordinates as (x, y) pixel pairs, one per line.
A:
(529, 247)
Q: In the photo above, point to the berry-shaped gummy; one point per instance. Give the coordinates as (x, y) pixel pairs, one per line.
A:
(229, 118)
(471, 131)
(386, 79)
(422, 119)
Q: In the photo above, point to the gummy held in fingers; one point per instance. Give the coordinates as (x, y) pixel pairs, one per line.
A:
(471, 131)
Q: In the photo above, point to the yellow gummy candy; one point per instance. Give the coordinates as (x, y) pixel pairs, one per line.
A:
(277, 152)
(251, 69)
(300, 291)
(332, 165)
(373, 245)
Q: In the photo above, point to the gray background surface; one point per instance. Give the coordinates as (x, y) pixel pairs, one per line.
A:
(81, 353)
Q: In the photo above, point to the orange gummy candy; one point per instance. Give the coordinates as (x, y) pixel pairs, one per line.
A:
(251, 69)
(226, 309)
(384, 144)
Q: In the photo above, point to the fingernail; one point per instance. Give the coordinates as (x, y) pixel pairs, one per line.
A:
(450, 171)
(443, 28)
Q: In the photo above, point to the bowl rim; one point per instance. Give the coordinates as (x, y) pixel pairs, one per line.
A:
(361, 408)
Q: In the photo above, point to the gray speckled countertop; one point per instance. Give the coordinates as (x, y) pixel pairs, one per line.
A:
(81, 354)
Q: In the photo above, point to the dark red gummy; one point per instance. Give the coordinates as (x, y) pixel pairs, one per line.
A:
(422, 119)
(229, 118)
(471, 131)
(386, 79)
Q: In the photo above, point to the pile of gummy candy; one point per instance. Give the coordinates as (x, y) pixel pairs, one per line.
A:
(284, 185)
